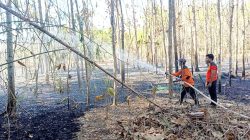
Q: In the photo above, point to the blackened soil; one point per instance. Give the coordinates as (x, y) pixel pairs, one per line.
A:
(239, 91)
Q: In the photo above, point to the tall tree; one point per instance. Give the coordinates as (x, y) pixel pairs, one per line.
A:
(154, 17)
(76, 56)
(220, 44)
(164, 36)
(237, 38)
(195, 38)
(206, 22)
(46, 56)
(175, 38)
(41, 43)
(244, 40)
(135, 30)
(112, 21)
(11, 105)
(87, 69)
(122, 39)
(231, 7)
(170, 44)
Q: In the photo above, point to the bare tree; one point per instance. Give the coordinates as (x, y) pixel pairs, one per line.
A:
(11, 106)
(41, 42)
(230, 38)
(76, 56)
(237, 38)
(135, 30)
(195, 38)
(46, 56)
(164, 36)
(244, 40)
(122, 38)
(175, 39)
(220, 44)
(206, 28)
(87, 73)
(112, 21)
(170, 44)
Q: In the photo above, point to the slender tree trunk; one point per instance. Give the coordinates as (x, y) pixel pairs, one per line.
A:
(135, 30)
(220, 45)
(195, 38)
(164, 36)
(170, 44)
(40, 34)
(118, 35)
(206, 28)
(230, 39)
(112, 21)
(123, 45)
(11, 105)
(46, 56)
(151, 26)
(155, 55)
(76, 56)
(175, 38)
(237, 38)
(87, 75)
(244, 40)
(179, 28)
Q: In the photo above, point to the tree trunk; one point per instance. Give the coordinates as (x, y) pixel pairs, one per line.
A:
(179, 27)
(76, 56)
(195, 39)
(118, 36)
(46, 56)
(11, 105)
(151, 26)
(244, 40)
(206, 28)
(41, 42)
(231, 6)
(112, 21)
(122, 38)
(170, 44)
(87, 75)
(237, 38)
(164, 36)
(219, 56)
(175, 38)
(135, 30)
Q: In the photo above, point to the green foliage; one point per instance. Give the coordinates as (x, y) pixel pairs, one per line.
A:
(103, 36)
(98, 53)
(111, 91)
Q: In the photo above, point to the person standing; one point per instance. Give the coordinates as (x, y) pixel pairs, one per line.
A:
(211, 78)
(186, 77)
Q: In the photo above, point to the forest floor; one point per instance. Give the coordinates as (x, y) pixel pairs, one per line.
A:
(47, 115)
(137, 119)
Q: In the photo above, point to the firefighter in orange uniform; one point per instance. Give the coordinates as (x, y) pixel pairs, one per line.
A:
(186, 76)
(211, 78)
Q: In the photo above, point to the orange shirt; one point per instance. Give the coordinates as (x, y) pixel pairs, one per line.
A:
(186, 76)
(212, 66)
